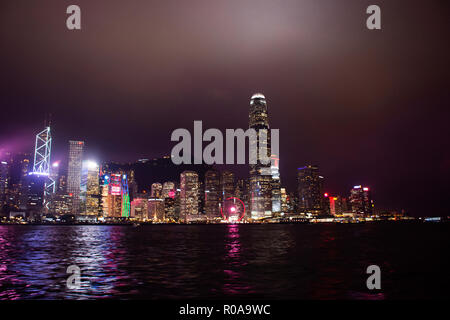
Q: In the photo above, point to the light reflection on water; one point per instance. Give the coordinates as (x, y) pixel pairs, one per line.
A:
(223, 261)
(234, 283)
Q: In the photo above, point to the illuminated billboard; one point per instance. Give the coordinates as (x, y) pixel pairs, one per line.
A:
(115, 187)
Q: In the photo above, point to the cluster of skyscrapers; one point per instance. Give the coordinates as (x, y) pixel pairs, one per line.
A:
(85, 190)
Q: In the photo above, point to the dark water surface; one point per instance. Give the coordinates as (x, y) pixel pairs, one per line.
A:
(226, 261)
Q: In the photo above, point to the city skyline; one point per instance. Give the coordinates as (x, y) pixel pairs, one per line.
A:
(343, 97)
(76, 159)
(90, 186)
(231, 158)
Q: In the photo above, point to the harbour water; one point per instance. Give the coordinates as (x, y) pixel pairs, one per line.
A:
(272, 261)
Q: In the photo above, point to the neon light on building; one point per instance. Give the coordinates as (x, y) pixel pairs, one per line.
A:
(333, 205)
(115, 185)
(125, 197)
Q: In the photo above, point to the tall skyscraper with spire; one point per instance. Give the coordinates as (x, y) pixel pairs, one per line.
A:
(260, 174)
(41, 166)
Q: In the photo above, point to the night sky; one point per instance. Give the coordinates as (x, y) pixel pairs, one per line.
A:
(368, 107)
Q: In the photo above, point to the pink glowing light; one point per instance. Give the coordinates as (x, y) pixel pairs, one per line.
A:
(243, 206)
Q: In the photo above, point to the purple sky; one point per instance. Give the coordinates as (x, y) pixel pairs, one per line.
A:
(369, 107)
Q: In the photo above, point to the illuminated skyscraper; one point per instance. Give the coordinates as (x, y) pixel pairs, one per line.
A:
(177, 207)
(4, 173)
(337, 205)
(139, 207)
(156, 209)
(292, 200)
(239, 191)
(276, 185)
(227, 185)
(41, 165)
(104, 194)
(61, 202)
(310, 189)
(260, 174)
(54, 174)
(126, 207)
(90, 188)
(19, 168)
(74, 173)
(62, 184)
(284, 200)
(242, 192)
(168, 190)
(189, 186)
(35, 186)
(115, 195)
(156, 191)
(169, 210)
(132, 184)
(361, 200)
(212, 194)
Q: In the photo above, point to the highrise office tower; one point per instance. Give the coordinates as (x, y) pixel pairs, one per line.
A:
(132, 184)
(4, 173)
(104, 194)
(74, 173)
(168, 190)
(361, 200)
(169, 210)
(41, 165)
(156, 209)
(20, 167)
(227, 185)
(336, 205)
(61, 202)
(310, 190)
(35, 186)
(5, 163)
(189, 186)
(39, 185)
(54, 174)
(139, 207)
(284, 200)
(212, 195)
(260, 174)
(62, 184)
(177, 206)
(326, 203)
(201, 199)
(125, 193)
(345, 203)
(115, 195)
(156, 191)
(293, 202)
(276, 185)
(239, 191)
(90, 188)
(242, 192)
